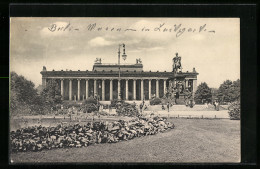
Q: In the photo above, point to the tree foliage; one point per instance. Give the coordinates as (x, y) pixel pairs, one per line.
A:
(203, 93)
(91, 100)
(51, 93)
(22, 95)
(155, 101)
(234, 110)
(229, 91)
(25, 100)
(127, 109)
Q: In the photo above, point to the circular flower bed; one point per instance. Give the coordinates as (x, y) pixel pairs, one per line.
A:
(38, 138)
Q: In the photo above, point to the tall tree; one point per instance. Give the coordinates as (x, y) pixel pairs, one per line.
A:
(229, 91)
(51, 93)
(203, 93)
(22, 94)
(236, 88)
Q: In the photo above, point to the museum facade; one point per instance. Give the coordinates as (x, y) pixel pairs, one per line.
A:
(111, 81)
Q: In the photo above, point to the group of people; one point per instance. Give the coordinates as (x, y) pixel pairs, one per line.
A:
(216, 105)
(142, 106)
(168, 105)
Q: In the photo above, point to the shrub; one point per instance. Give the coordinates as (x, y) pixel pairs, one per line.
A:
(69, 105)
(91, 100)
(155, 101)
(103, 113)
(127, 110)
(89, 108)
(115, 102)
(234, 110)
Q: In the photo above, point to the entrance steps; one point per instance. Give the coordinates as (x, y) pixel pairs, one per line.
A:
(184, 108)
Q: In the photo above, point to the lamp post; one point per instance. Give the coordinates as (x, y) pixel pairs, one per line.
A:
(124, 57)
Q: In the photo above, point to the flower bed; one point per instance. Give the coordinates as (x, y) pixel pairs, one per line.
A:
(38, 138)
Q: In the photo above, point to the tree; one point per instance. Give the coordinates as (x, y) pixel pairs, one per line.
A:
(236, 90)
(22, 89)
(214, 92)
(22, 94)
(234, 110)
(203, 93)
(51, 94)
(229, 91)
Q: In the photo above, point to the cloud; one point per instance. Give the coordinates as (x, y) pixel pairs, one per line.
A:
(100, 41)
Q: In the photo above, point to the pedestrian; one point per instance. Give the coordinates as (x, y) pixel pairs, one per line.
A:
(110, 109)
(168, 106)
(186, 102)
(163, 107)
(141, 106)
(214, 104)
(217, 106)
(206, 104)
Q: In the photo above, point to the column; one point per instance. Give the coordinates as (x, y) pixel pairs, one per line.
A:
(157, 88)
(86, 89)
(126, 89)
(142, 89)
(134, 89)
(62, 88)
(174, 83)
(103, 89)
(70, 89)
(194, 87)
(95, 87)
(183, 84)
(44, 83)
(164, 86)
(119, 89)
(78, 89)
(150, 89)
(187, 83)
(111, 89)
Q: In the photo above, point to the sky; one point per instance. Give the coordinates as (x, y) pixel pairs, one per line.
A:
(210, 45)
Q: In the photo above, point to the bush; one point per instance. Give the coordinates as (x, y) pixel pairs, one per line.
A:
(89, 108)
(115, 102)
(103, 113)
(156, 101)
(127, 110)
(234, 110)
(91, 100)
(69, 105)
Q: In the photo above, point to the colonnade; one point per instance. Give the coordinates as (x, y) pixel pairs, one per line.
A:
(90, 85)
(111, 88)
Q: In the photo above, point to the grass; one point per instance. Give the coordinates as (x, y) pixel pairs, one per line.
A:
(193, 140)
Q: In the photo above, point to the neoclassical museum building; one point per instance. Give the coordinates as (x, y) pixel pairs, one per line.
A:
(126, 81)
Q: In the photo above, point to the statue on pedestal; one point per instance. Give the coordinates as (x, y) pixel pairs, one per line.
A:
(172, 92)
(138, 61)
(98, 60)
(176, 63)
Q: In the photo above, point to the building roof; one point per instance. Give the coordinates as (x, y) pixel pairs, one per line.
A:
(85, 74)
(115, 67)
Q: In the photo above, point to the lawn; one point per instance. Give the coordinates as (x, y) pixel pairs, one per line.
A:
(193, 140)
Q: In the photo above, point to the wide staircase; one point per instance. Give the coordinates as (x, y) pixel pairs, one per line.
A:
(185, 108)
